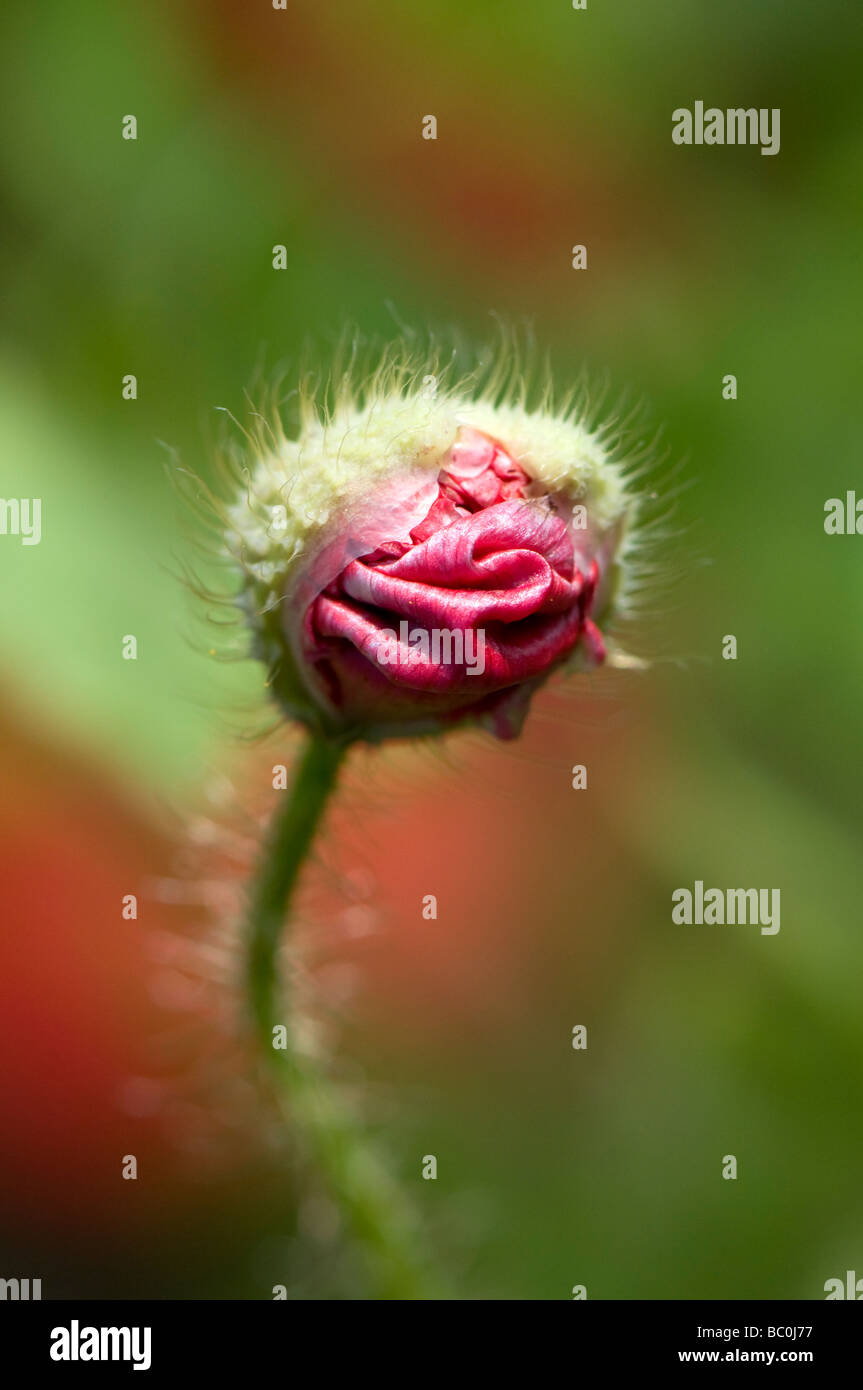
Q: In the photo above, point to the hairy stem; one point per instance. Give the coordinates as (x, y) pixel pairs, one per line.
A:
(290, 837)
(371, 1204)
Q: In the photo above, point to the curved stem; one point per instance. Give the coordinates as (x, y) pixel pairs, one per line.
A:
(289, 839)
(381, 1220)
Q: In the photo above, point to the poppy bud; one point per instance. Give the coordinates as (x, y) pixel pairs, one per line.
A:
(416, 560)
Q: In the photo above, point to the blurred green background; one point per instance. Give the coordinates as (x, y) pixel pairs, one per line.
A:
(154, 257)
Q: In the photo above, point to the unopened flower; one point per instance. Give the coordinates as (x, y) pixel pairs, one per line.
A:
(420, 556)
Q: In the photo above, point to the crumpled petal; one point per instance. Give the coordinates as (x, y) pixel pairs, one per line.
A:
(480, 473)
(502, 564)
(468, 616)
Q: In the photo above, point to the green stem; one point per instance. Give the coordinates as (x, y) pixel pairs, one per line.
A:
(289, 840)
(380, 1219)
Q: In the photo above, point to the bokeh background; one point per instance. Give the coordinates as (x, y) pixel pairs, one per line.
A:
(556, 1167)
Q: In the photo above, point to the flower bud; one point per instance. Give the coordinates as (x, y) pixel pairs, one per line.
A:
(416, 559)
